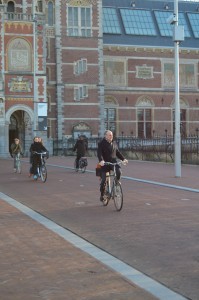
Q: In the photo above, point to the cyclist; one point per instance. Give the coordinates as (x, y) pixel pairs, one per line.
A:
(80, 148)
(108, 152)
(16, 151)
(36, 146)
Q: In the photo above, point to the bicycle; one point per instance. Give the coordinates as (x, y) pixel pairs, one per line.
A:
(17, 163)
(41, 167)
(83, 163)
(113, 188)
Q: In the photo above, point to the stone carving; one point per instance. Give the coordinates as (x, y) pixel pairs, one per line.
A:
(144, 72)
(81, 2)
(145, 102)
(19, 84)
(81, 126)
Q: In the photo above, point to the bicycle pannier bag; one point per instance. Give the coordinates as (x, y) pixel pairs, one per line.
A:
(98, 170)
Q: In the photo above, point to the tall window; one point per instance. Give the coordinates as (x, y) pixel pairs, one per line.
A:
(11, 7)
(79, 21)
(182, 122)
(144, 122)
(80, 66)
(50, 13)
(110, 119)
(39, 7)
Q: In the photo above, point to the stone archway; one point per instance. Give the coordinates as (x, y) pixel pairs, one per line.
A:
(20, 119)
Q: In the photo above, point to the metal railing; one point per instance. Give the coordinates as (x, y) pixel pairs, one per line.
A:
(155, 149)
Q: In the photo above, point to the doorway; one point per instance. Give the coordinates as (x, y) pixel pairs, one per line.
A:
(20, 127)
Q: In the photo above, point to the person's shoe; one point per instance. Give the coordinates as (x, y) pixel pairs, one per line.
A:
(117, 181)
(101, 198)
(35, 177)
(15, 170)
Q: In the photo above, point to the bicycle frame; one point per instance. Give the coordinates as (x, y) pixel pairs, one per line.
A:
(41, 168)
(113, 189)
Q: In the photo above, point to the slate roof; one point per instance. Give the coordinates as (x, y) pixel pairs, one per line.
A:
(150, 41)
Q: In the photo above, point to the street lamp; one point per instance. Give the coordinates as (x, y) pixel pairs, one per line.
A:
(178, 36)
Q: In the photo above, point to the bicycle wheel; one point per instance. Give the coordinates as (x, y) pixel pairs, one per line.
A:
(43, 172)
(82, 166)
(118, 196)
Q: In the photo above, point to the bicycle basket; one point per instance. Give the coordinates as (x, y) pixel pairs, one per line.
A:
(84, 162)
(98, 170)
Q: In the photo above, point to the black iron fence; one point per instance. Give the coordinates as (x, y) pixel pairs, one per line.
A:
(155, 149)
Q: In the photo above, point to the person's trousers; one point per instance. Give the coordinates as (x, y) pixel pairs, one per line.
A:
(104, 170)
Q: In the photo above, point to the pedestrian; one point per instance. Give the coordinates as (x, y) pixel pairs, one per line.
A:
(16, 151)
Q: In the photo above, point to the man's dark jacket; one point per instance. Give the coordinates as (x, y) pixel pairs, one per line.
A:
(81, 147)
(108, 151)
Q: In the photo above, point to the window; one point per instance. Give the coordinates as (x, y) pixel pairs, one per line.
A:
(138, 22)
(110, 21)
(11, 7)
(80, 92)
(50, 13)
(80, 66)
(182, 122)
(144, 123)
(110, 119)
(194, 21)
(165, 28)
(79, 21)
(39, 7)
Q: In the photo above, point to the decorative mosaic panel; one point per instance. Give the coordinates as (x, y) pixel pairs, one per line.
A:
(19, 55)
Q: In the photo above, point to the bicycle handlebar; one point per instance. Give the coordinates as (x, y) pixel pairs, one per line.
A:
(113, 164)
(40, 153)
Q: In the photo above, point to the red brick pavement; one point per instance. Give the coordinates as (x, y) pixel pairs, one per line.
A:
(37, 264)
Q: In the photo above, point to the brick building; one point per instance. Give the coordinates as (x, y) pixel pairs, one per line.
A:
(75, 67)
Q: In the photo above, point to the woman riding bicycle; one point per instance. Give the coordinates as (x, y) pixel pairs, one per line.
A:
(108, 152)
(38, 147)
(16, 151)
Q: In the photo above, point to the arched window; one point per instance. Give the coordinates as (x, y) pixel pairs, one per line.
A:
(11, 7)
(50, 13)
(183, 117)
(144, 117)
(110, 114)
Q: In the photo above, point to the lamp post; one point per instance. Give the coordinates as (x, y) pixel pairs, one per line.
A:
(178, 36)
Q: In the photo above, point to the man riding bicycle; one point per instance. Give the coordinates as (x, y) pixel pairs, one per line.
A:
(80, 148)
(108, 152)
